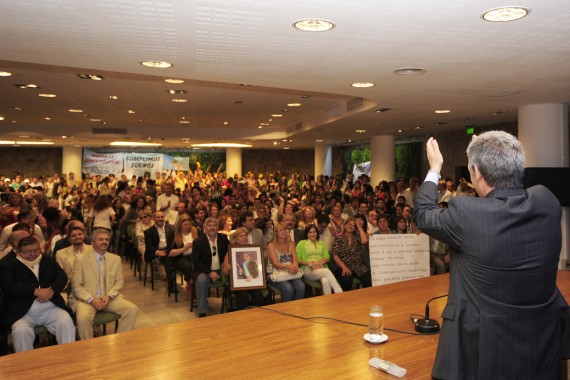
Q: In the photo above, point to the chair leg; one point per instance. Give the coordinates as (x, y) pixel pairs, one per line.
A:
(104, 329)
(145, 271)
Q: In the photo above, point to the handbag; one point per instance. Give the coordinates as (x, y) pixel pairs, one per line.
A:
(280, 275)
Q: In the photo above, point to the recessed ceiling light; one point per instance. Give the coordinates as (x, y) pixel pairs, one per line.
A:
(176, 91)
(260, 127)
(360, 131)
(293, 104)
(114, 97)
(409, 71)
(1, 117)
(133, 143)
(5, 142)
(184, 121)
(90, 76)
(226, 123)
(47, 95)
(47, 118)
(399, 131)
(418, 127)
(94, 119)
(174, 81)
(319, 140)
(264, 124)
(157, 64)
(5, 74)
(29, 85)
(131, 111)
(179, 100)
(505, 14)
(349, 141)
(362, 84)
(63, 137)
(34, 143)
(286, 147)
(498, 113)
(276, 115)
(223, 145)
(442, 111)
(75, 110)
(285, 140)
(313, 25)
(382, 110)
(17, 108)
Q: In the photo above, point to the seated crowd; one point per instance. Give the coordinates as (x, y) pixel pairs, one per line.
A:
(313, 233)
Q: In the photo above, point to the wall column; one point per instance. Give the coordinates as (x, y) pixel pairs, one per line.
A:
(323, 160)
(543, 131)
(72, 161)
(233, 162)
(382, 159)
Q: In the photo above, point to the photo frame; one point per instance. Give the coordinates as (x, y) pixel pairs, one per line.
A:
(247, 269)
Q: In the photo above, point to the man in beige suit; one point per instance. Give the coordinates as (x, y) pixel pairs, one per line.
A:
(66, 256)
(96, 282)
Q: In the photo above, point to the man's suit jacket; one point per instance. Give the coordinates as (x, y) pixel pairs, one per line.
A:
(202, 254)
(503, 315)
(85, 279)
(259, 239)
(18, 284)
(252, 268)
(298, 235)
(151, 240)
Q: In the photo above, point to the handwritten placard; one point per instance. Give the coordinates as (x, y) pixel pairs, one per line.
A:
(398, 257)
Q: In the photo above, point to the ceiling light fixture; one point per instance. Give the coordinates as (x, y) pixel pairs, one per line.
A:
(184, 121)
(114, 97)
(34, 143)
(319, 140)
(131, 111)
(29, 85)
(157, 64)
(498, 112)
(174, 81)
(313, 25)
(176, 91)
(409, 71)
(360, 131)
(286, 147)
(442, 111)
(264, 124)
(293, 104)
(47, 118)
(362, 84)
(382, 110)
(75, 110)
(223, 145)
(1, 117)
(505, 14)
(276, 115)
(90, 76)
(6, 142)
(179, 100)
(47, 95)
(5, 74)
(418, 127)
(133, 143)
(94, 119)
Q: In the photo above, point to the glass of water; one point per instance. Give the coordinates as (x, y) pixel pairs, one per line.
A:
(376, 321)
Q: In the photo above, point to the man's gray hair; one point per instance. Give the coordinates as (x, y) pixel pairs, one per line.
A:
(100, 231)
(500, 158)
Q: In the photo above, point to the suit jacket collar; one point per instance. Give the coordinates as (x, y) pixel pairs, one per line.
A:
(505, 193)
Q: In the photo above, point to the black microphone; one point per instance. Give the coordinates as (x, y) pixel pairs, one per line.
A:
(427, 325)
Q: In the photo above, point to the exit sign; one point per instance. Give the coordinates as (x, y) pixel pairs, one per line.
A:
(470, 130)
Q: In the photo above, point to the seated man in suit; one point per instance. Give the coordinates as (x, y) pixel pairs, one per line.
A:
(66, 256)
(158, 242)
(96, 283)
(290, 221)
(248, 269)
(208, 253)
(31, 284)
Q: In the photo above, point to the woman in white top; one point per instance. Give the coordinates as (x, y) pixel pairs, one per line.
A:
(181, 252)
(102, 215)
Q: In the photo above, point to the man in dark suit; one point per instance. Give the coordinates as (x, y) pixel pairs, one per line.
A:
(248, 269)
(31, 284)
(158, 243)
(503, 316)
(208, 253)
(254, 235)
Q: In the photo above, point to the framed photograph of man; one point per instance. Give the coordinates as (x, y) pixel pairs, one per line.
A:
(247, 270)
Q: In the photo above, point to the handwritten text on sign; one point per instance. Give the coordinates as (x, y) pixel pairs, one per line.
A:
(398, 257)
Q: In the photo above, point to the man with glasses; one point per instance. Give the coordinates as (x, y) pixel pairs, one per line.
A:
(208, 253)
(31, 284)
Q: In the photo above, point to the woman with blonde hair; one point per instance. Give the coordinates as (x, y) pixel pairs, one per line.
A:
(180, 254)
(283, 262)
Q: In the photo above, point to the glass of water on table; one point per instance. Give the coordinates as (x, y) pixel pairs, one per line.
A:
(375, 322)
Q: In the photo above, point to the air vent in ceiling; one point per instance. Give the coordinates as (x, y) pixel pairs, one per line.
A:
(109, 131)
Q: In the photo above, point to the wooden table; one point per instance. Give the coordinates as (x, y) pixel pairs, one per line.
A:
(258, 344)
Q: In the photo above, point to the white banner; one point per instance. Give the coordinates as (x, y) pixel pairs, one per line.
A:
(360, 169)
(138, 163)
(102, 163)
(398, 257)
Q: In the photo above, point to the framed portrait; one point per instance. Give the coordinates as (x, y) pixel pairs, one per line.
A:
(247, 270)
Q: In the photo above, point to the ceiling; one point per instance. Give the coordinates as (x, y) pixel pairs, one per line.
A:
(242, 61)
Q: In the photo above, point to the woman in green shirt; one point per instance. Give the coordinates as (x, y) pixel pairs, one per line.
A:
(313, 257)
